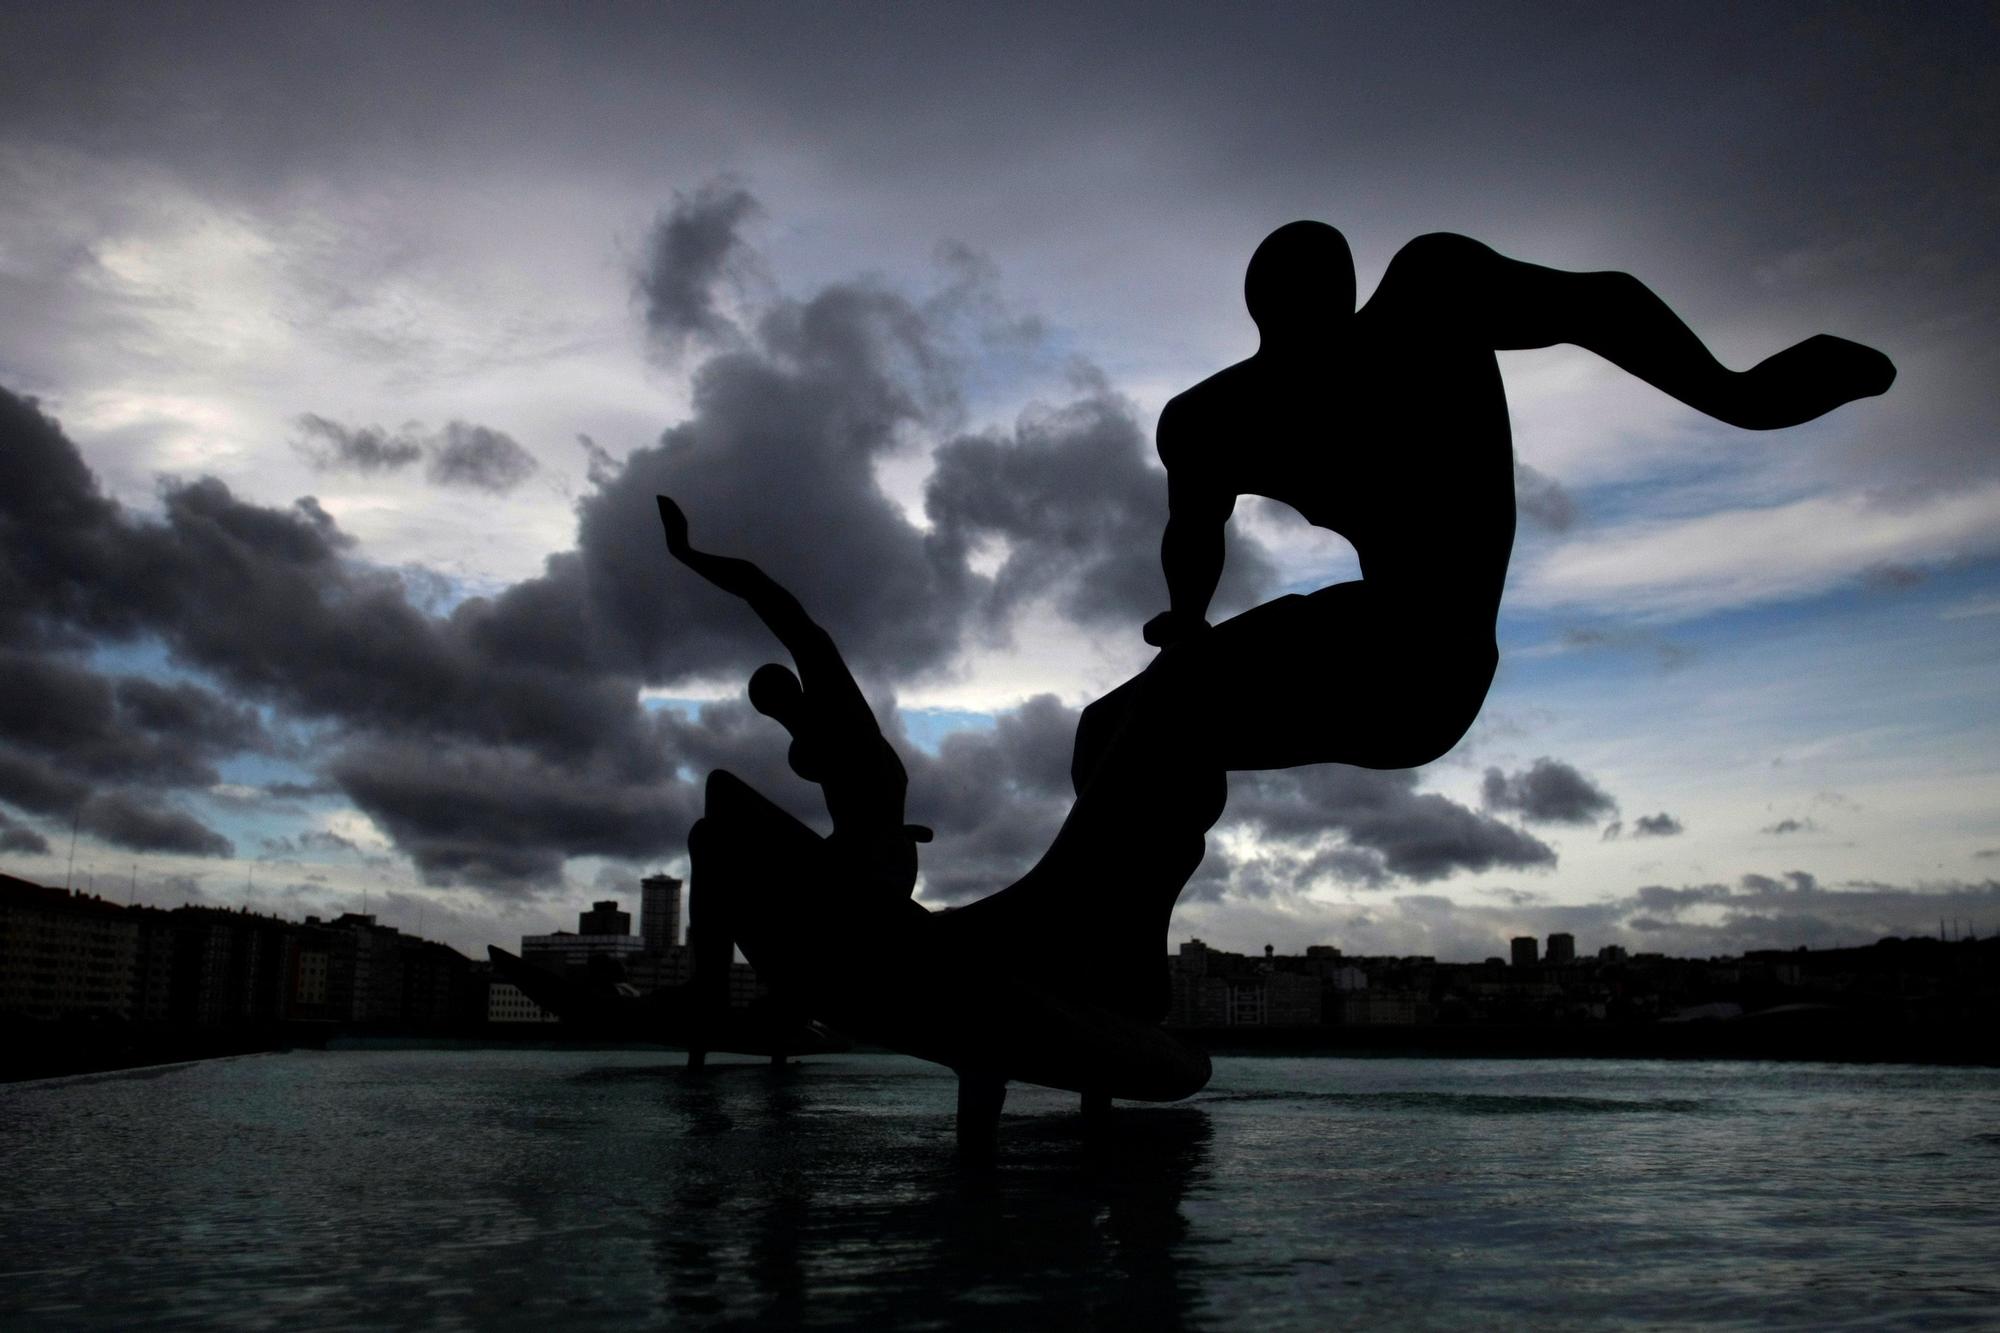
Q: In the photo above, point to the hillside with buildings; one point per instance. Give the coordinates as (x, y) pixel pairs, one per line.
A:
(86, 983)
(1928, 999)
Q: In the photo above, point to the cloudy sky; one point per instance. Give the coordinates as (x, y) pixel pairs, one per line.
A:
(344, 349)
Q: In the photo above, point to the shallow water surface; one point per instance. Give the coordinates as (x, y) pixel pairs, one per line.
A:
(612, 1189)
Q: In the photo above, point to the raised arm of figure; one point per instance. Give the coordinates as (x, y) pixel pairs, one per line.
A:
(828, 683)
(1505, 304)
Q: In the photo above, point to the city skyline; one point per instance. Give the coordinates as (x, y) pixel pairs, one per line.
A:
(1522, 950)
(391, 321)
(88, 985)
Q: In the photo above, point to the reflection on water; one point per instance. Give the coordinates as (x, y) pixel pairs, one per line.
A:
(842, 1213)
(593, 1189)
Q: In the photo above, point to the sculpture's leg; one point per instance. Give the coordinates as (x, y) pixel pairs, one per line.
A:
(711, 944)
(980, 1097)
(1149, 791)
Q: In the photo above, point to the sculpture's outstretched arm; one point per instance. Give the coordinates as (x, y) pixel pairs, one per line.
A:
(1505, 304)
(821, 667)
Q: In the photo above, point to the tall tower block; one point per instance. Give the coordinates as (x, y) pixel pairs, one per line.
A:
(660, 912)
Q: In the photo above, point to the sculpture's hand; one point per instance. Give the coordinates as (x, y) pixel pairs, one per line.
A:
(676, 525)
(1866, 371)
(1170, 627)
(1809, 379)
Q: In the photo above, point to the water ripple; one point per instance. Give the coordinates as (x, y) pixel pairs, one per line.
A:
(590, 1190)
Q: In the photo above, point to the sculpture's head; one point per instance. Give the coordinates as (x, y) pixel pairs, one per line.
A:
(1300, 283)
(776, 693)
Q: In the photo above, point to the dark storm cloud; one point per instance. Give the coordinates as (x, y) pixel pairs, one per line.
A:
(995, 799)
(785, 435)
(507, 817)
(1763, 888)
(332, 447)
(1347, 865)
(265, 601)
(17, 837)
(128, 820)
(1074, 499)
(1547, 791)
(479, 457)
(130, 729)
(179, 713)
(1542, 501)
(783, 441)
(1410, 834)
(693, 249)
(462, 454)
(57, 551)
(104, 751)
(1264, 875)
(35, 785)
(142, 818)
(781, 448)
(1661, 825)
(731, 735)
(1210, 882)
(264, 598)
(1658, 898)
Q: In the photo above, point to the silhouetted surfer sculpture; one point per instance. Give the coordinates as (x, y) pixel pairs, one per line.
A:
(1387, 425)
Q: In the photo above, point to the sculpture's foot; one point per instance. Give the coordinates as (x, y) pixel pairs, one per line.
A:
(980, 1097)
(1096, 1105)
(697, 1060)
